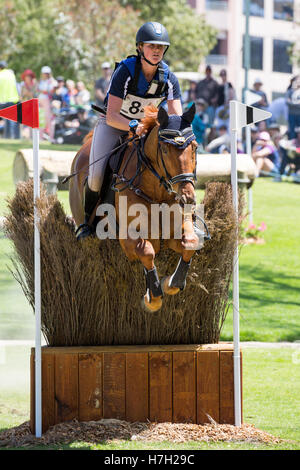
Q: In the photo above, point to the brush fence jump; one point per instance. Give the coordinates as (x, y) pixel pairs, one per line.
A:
(217, 167)
(180, 384)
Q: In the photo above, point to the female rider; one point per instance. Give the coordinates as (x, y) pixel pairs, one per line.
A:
(137, 81)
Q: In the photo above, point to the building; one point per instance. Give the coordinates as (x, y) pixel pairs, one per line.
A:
(273, 26)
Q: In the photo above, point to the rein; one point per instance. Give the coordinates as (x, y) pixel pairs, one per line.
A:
(180, 139)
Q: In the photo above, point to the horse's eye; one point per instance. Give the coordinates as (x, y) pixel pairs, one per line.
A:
(164, 148)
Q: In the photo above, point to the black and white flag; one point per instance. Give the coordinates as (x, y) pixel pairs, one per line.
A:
(242, 115)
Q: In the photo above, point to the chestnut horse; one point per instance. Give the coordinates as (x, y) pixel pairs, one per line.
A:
(157, 168)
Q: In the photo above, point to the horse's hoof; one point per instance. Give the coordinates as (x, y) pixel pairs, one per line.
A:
(166, 288)
(154, 305)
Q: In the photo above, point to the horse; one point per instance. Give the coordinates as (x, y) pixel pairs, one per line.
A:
(157, 169)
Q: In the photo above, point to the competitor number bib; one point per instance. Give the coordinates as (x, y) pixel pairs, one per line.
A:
(133, 106)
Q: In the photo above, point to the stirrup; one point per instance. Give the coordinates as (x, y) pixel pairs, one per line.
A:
(204, 235)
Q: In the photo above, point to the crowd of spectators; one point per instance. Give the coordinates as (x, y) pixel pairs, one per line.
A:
(275, 143)
(56, 95)
(274, 147)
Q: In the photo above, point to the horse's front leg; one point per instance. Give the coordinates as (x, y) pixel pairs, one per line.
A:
(145, 252)
(171, 285)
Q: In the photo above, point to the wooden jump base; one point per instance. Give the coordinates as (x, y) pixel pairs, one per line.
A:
(181, 383)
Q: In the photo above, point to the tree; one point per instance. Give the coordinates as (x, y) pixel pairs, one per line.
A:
(72, 37)
(191, 37)
(105, 29)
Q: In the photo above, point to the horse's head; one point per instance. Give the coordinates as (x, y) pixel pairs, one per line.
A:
(172, 148)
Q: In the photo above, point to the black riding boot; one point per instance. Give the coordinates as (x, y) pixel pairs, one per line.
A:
(90, 200)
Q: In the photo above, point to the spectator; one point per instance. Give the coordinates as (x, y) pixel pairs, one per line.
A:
(46, 87)
(220, 144)
(223, 95)
(263, 102)
(83, 96)
(254, 135)
(279, 110)
(200, 123)
(28, 87)
(293, 103)
(60, 91)
(265, 154)
(69, 97)
(222, 112)
(28, 91)
(208, 89)
(189, 96)
(274, 130)
(9, 96)
(290, 151)
(102, 84)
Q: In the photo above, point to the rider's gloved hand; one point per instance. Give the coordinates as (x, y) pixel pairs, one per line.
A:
(140, 130)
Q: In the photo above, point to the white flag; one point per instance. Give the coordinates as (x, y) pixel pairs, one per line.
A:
(242, 115)
(251, 97)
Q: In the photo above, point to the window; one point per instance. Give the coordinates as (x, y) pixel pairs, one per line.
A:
(281, 58)
(256, 53)
(216, 4)
(257, 7)
(284, 10)
(221, 46)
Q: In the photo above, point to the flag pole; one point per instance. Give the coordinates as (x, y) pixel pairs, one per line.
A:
(235, 273)
(37, 287)
(249, 152)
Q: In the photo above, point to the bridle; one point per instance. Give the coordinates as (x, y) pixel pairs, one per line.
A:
(178, 138)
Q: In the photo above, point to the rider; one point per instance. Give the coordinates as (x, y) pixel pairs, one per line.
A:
(137, 81)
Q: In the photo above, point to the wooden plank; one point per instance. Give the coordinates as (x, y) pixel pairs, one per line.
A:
(184, 387)
(140, 348)
(137, 402)
(48, 391)
(226, 388)
(66, 387)
(208, 387)
(90, 387)
(48, 406)
(114, 385)
(160, 386)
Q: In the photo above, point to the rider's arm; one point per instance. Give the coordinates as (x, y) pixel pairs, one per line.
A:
(174, 107)
(174, 95)
(113, 116)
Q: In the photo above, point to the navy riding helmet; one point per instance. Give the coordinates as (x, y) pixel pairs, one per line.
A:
(152, 33)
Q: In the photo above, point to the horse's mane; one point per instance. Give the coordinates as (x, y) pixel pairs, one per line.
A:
(149, 121)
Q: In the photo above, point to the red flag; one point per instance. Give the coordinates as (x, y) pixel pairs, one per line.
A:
(25, 113)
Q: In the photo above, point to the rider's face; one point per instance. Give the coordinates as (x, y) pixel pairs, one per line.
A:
(154, 52)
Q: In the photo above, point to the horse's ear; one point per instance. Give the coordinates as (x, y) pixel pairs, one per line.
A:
(163, 117)
(189, 114)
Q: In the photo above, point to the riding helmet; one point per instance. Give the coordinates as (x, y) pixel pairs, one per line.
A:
(153, 33)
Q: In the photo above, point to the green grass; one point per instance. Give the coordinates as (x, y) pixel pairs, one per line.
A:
(16, 318)
(269, 306)
(271, 382)
(269, 274)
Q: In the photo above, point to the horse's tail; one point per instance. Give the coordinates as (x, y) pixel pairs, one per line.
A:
(88, 136)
